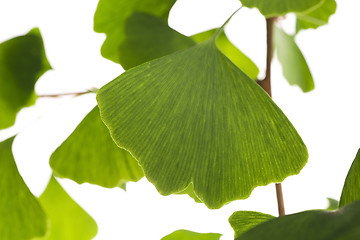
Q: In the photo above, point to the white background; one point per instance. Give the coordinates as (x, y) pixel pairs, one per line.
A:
(327, 118)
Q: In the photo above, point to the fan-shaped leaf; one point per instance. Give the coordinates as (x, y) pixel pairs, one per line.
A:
(188, 235)
(342, 224)
(111, 16)
(21, 216)
(67, 219)
(295, 68)
(316, 17)
(351, 189)
(22, 62)
(243, 221)
(193, 116)
(90, 155)
(270, 8)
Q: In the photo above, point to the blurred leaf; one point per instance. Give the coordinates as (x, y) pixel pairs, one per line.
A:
(281, 7)
(111, 16)
(333, 204)
(194, 117)
(21, 216)
(233, 53)
(148, 37)
(188, 235)
(67, 219)
(316, 17)
(243, 221)
(22, 62)
(294, 66)
(341, 224)
(90, 155)
(351, 189)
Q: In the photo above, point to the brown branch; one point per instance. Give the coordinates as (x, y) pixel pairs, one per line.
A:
(74, 94)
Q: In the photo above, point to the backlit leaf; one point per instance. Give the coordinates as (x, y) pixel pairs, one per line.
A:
(90, 155)
(333, 204)
(67, 219)
(270, 8)
(243, 221)
(294, 66)
(351, 189)
(22, 62)
(21, 216)
(341, 224)
(188, 235)
(316, 17)
(194, 117)
(111, 16)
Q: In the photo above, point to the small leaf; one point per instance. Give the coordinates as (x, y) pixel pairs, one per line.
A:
(341, 224)
(295, 68)
(270, 8)
(90, 155)
(194, 117)
(351, 189)
(243, 221)
(190, 191)
(233, 53)
(333, 204)
(188, 235)
(67, 219)
(111, 16)
(21, 216)
(316, 17)
(22, 62)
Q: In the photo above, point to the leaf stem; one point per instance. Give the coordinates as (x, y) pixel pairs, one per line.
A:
(266, 85)
(75, 94)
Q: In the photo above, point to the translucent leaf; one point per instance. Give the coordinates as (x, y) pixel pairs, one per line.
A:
(232, 52)
(243, 221)
(188, 235)
(294, 66)
(22, 62)
(194, 117)
(111, 16)
(333, 204)
(21, 216)
(67, 219)
(270, 8)
(190, 191)
(316, 17)
(351, 189)
(90, 155)
(341, 224)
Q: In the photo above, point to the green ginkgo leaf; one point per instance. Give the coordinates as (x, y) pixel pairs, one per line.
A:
(21, 216)
(243, 221)
(188, 235)
(270, 8)
(90, 155)
(232, 52)
(111, 16)
(67, 219)
(316, 17)
(333, 204)
(194, 117)
(341, 224)
(294, 66)
(351, 189)
(22, 62)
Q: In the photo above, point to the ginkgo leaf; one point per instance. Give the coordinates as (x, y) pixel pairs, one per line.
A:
(233, 53)
(294, 66)
(111, 16)
(333, 204)
(316, 17)
(67, 219)
(341, 224)
(243, 221)
(90, 155)
(190, 191)
(194, 117)
(270, 8)
(351, 189)
(22, 62)
(21, 216)
(188, 235)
